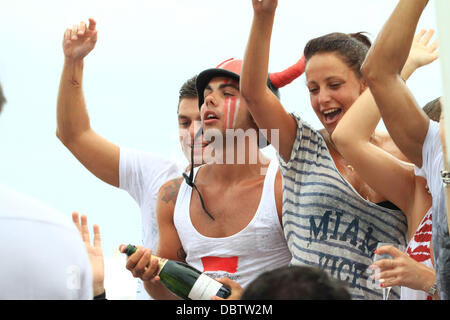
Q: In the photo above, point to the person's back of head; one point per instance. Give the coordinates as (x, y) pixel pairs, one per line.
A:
(433, 109)
(43, 256)
(295, 283)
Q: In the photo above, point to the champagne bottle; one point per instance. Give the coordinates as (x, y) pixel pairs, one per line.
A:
(185, 281)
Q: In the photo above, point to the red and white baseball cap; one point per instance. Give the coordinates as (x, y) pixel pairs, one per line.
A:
(231, 68)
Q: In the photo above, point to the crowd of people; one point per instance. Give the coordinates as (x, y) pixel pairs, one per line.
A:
(304, 225)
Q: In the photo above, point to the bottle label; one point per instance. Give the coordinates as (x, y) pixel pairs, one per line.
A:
(161, 263)
(204, 288)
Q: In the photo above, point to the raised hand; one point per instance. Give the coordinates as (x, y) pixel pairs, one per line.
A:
(421, 53)
(80, 40)
(94, 251)
(265, 5)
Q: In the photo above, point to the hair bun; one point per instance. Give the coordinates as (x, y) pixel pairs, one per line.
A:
(361, 37)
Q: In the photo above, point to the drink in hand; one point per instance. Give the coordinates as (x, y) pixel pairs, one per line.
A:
(377, 257)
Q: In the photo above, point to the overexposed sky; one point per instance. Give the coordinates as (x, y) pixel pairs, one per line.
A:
(145, 51)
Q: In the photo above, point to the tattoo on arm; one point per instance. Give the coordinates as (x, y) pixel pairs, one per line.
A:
(170, 191)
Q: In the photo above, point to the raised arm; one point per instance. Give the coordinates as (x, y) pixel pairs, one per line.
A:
(387, 175)
(353, 133)
(406, 122)
(98, 155)
(264, 106)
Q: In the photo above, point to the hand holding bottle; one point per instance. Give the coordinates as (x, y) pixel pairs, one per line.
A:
(236, 289)
(179, 278)
(141, 264)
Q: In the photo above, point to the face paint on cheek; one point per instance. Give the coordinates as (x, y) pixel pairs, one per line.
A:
(231, 109)
(237, 103)
(231, 112)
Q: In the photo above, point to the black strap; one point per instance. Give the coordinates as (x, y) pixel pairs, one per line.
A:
(190, 179)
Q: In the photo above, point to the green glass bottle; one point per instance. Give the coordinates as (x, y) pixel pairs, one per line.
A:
(185, 281)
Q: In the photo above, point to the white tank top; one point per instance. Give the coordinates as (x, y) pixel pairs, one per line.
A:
(259, 247)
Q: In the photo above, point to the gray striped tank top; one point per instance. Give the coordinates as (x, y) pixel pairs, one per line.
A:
(327, 224)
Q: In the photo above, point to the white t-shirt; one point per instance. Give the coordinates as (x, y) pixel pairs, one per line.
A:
(432, 164)
(142, 174)
(42, 256)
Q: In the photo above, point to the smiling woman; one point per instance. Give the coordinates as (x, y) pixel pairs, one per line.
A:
(331, 216)
(333, 87)
(333, 77)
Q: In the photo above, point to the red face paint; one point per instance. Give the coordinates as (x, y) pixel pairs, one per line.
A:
(231, 108)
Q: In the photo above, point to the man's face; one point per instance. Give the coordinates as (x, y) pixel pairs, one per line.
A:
(189, 123)
(223, 107)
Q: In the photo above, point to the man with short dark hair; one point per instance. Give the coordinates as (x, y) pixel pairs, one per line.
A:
(141, 174)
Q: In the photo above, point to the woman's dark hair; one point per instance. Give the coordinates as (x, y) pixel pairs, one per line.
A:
(352, 48)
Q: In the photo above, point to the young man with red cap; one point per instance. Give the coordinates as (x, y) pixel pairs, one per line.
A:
(230, 225)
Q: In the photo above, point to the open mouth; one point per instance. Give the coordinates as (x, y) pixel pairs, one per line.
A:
(331, 115)
(209, 117)
(198, 145)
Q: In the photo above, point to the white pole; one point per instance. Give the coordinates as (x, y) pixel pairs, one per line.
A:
(443, 26)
